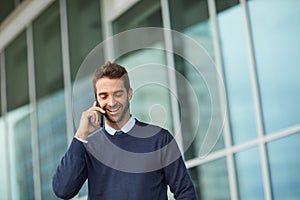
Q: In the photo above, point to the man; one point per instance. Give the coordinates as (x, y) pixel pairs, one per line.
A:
(126, 159)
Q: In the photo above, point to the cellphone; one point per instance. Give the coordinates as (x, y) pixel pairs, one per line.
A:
(100, 115)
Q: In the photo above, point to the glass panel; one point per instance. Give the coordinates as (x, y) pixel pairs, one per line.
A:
(3, 161)
(147, 107)
(236, 69)
(6, 7)
(284, 167)
(84, 25)
(3, 150)
(85, 33)
(51, 114)
(192, 19)
(143, 14)
(0, 85)
(211, 180)
(276, 41)
(18, 119)
(249, 176)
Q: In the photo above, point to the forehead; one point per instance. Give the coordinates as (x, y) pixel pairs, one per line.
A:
(107, 85)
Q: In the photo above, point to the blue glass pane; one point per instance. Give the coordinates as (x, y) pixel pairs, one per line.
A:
(284, 167)
(237, 74)
(192, 19)
(276, 30)
(249, 176)
(211, 180)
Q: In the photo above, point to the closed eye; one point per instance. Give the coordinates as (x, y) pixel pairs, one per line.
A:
(118, 93)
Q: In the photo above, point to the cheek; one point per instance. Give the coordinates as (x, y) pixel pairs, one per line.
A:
(122, 101)
(102, 102)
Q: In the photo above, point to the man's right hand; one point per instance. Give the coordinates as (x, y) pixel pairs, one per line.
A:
(89, 122)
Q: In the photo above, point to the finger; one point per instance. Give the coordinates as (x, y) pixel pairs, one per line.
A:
(96, 117)
(95, 103)
(99, 109)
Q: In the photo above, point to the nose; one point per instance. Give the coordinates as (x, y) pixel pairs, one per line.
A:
(111, 101)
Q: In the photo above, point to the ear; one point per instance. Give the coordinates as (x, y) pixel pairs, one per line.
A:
(130, 93)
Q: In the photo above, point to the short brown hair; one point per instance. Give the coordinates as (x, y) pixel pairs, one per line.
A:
(112, 71)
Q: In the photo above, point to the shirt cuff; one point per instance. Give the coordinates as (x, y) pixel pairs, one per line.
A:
(81, 140)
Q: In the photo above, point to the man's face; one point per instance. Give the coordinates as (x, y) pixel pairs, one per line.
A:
(114, 99)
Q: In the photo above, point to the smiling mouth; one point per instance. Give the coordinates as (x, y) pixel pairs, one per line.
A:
(113, 111)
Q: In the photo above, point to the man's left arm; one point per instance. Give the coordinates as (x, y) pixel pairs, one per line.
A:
(179, 181)
(176, 173)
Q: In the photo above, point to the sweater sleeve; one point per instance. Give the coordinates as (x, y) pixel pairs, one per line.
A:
(177, 176)
(71, 172)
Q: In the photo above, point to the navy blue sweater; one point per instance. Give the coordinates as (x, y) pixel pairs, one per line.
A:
(132, 166)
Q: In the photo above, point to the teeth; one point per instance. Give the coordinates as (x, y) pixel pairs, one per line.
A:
(114, 110)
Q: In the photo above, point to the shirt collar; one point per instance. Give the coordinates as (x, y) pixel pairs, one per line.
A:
(126, 128)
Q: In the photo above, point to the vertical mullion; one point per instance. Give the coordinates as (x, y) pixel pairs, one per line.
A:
(257, 104)
(171, 70)
(66, 68)
(227, 132)
(107, 31)
(33, 115)
(6, 127)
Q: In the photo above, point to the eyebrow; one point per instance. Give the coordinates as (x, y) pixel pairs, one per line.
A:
(105, 93)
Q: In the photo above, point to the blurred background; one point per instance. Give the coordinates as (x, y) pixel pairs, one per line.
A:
(254, 44)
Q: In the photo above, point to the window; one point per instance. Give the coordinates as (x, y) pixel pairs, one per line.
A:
(276, 44)
(284, 167)
(4, 190)
(249, 177)
(211, 180)
(194, 22)
(236, 65)
(6, 7)
(85, 32)
(146, 66)
(51, 114)
(18, 119)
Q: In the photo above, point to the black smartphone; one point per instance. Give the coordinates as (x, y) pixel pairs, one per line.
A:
(100, 115)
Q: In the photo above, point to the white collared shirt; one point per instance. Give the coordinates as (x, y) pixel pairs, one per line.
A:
(126, 128)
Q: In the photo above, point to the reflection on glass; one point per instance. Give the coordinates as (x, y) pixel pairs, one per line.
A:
(146, 67)
(211, 180)
(18, 119)
(249, 177)
(84, 25)
(51, 117)
(237, 72)
(276, 30)
(284, 167)
(194, 22)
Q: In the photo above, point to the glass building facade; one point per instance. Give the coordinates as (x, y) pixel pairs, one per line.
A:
(254, 45)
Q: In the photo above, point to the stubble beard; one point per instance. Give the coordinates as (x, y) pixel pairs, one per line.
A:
(122, 116)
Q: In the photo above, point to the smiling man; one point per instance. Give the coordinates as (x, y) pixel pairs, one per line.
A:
(124, 159)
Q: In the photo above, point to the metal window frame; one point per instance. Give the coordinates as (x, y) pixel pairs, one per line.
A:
(33, 113)
(226, 130)
(66, 68)
(257, 104)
